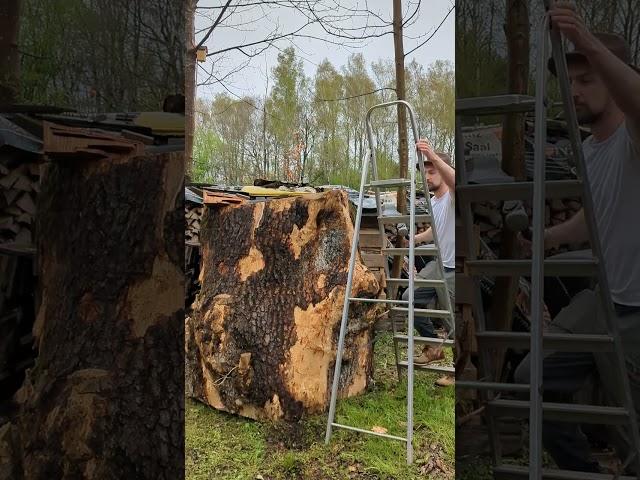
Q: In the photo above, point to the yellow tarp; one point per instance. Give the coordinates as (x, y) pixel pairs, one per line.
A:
(162, 123)
(270, 192)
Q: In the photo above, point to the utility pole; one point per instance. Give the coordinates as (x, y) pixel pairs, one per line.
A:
(402, 122)
(513, 151)
(9, 56)
(190, 87)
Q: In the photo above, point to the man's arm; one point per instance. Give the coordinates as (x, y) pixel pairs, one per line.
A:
(426, 236)
(571, 231)
(622, 81)
(446, 171)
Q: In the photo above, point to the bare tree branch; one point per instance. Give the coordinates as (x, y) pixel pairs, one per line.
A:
(215, 24)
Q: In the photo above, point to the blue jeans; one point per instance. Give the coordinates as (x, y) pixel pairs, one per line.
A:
(425, 295)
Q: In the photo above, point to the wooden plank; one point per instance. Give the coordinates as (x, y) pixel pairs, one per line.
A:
(60, 140)
(146, 139)
(373, 260)
(213, 198)
(370, 238)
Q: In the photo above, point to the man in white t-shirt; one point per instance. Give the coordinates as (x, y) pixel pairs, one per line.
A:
(441, 182)
(606, 92)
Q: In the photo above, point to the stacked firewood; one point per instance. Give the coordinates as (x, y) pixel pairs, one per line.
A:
(193, 214)
(20, 186)
(489, 218)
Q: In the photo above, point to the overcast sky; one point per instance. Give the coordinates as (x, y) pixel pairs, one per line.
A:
(256, 22)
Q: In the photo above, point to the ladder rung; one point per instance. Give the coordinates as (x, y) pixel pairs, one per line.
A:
(566, 342)
(522, 268)
(418, 282)
(387, 219)
(417, 251)
(565, 412)
(517, 472)
(495, 105)
(378, 300)
(369, 432)
(430, 368)
(517, 190)
(503, 387)
(424, 312)
(429, 340)
(391, 182)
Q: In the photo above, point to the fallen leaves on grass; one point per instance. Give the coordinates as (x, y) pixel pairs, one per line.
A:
(434, 465)
(377, 429)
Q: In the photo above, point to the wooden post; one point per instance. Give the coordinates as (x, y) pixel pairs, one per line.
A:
(402, 121)
(190, 87)
(513, 150)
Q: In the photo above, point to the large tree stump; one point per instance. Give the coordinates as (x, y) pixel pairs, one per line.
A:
(105, 399)
(262, 339)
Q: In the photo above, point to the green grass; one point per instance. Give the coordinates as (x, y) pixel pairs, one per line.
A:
(223, 447)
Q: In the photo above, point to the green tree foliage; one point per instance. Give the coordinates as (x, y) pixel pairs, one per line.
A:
(313, 129)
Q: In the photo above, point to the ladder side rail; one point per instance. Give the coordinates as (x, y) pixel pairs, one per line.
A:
(345, 309)
(392, 290)
(420, 159)
(576, 145)
(537, 261)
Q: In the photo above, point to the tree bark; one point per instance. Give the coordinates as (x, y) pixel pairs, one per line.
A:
(105, 397)
(513, 150)
(190, 87)
(262, 339)
(403, 151)
(9, 56)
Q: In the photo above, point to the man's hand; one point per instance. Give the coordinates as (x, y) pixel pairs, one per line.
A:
(565, 17)
(427, 150)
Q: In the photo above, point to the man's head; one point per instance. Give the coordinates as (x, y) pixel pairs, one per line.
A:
(434, 179)
(590, 94)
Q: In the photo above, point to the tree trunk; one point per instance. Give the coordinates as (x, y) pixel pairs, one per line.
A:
(105, 397)
(262, 339)
(190, 87)
(513, 150)
(9, 56)
(403, 151)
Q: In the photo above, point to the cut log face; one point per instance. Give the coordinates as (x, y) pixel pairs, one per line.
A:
(263, 335)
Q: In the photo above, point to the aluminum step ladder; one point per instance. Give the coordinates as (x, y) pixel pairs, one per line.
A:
(539, 267)
(405, 307)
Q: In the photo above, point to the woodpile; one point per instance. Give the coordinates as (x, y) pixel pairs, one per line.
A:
(193, 216)
(370, 246)
(261, 340)
(489, 218)
(20, 185)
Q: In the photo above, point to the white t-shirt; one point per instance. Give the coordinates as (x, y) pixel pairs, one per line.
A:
(613, 170)
(444, 222)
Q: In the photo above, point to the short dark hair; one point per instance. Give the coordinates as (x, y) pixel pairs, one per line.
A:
(443, 155)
